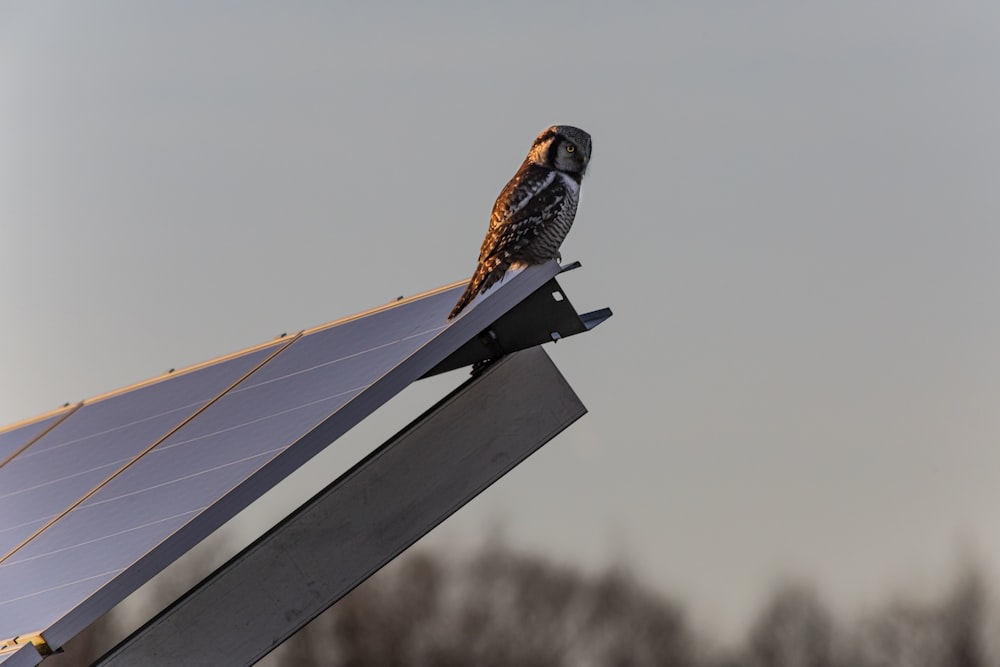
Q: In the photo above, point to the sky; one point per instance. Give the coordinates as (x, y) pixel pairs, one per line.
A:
(791, 208)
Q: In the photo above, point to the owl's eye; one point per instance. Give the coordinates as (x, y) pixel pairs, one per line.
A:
(570, 148)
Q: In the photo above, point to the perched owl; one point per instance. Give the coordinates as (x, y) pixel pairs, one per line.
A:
(533, 214)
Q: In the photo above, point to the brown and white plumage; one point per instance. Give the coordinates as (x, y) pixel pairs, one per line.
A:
(535, 211)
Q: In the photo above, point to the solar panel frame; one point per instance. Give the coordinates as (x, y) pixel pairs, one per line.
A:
(23, 655)
(424, 355)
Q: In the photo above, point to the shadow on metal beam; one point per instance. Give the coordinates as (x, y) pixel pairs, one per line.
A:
(362, 520)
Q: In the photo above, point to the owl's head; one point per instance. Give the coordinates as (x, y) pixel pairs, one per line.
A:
(564, 148)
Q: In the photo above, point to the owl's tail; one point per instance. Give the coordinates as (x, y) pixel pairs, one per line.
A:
(484, 278)
(467, 296)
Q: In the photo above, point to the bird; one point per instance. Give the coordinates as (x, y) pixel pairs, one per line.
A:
(534, 211)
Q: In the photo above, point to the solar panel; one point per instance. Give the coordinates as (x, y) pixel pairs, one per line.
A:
(98, 440)
(128, 483)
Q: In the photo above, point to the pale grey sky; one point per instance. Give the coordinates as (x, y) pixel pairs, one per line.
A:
(792, 208)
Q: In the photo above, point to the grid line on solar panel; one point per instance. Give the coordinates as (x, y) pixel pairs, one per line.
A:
(282, 340)
(387, 306)
(258, 420)
(59, 480)
(102, 538)
(67, 410)
(27, 456)
(339, 359)
(16, 438)
(51, 519)
(63, 585)
(206, 471)
(120, 427)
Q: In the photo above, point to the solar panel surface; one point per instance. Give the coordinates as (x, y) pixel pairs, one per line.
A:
(130, 482)
(14, 439)
(98, 440)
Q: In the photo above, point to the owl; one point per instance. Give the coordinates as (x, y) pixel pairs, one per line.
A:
(534, 212)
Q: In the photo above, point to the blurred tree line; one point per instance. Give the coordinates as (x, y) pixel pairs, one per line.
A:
(497, 607)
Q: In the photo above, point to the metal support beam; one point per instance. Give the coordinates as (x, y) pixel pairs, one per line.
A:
(362, 520)
(24, 655)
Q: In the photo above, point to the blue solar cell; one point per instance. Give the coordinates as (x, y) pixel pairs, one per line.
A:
(16, 438)
(99, 439)
(310, 393)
